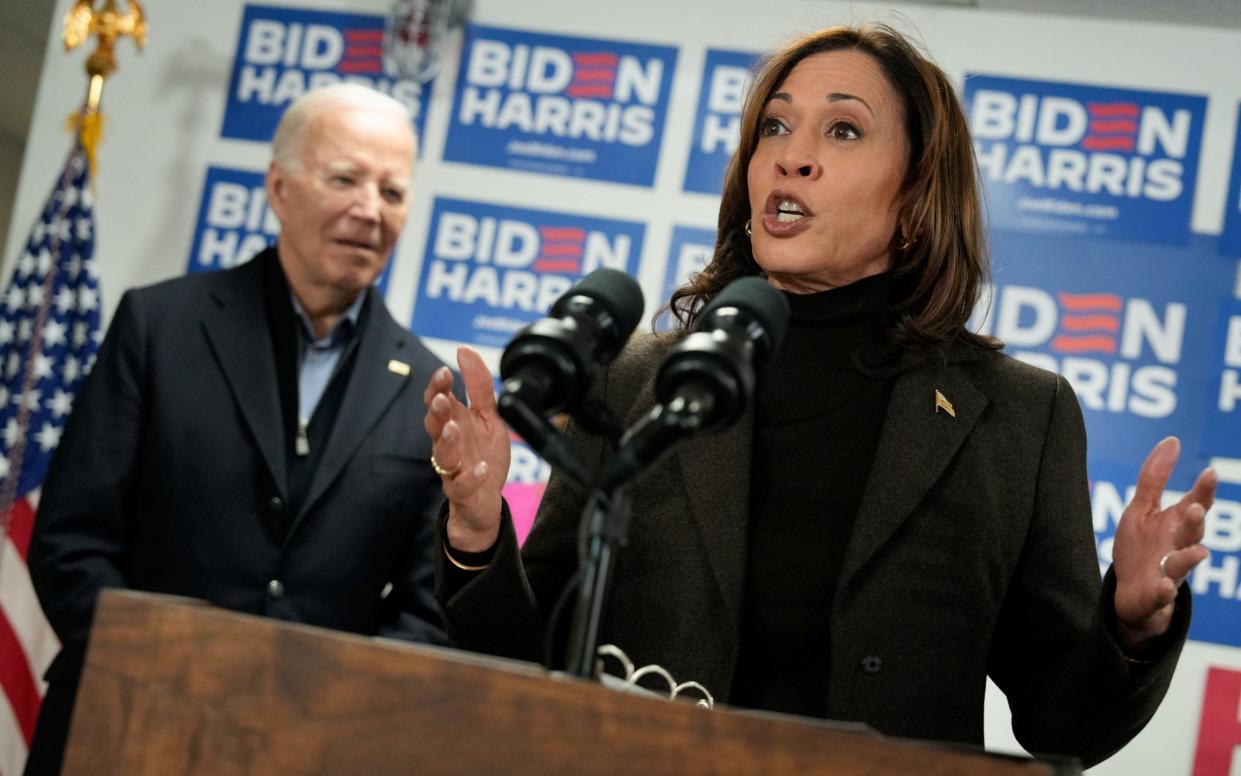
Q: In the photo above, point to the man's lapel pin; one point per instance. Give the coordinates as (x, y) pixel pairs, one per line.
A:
(401, 368)
(942, 403)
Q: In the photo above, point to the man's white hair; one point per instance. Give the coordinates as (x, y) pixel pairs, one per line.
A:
(287, 144)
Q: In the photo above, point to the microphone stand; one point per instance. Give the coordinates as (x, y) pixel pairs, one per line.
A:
(609, 512)
(604, 531)
(606, 519)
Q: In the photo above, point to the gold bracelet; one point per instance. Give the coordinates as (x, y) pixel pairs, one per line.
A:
(459, 564)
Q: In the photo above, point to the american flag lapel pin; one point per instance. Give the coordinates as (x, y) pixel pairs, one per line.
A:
(942, 403)
(398, 367)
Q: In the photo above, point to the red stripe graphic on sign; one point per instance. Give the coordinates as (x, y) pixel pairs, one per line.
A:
(560, 249)
(1114, 126)
(588, 90)
(587, 59)
(364, 36)
(1066, 343)
(555, 249)
(594, 75)
(567, 266)
(1094, 143)
(1089, 322)
(1090, 302)
(360, 66)
(562, 233)
(1113, 109)
(364, 51)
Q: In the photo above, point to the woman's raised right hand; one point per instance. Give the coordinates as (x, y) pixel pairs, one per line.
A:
(470, 447)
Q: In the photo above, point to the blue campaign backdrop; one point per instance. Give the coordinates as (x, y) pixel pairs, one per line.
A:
(1129, 325)
(1214, 583)
(1230, 241)
(1086, 160)
(284, 52)
(717, 124)
(491, 269)
(577, 107)
(688, 252)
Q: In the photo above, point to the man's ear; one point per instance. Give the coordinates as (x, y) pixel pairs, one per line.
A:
(276, 183)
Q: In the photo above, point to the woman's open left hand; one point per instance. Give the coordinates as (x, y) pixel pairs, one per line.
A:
(1156, 548)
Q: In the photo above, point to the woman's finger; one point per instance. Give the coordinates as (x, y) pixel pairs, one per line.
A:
(1154, 474)
(1190, 524)
(1177, 564)
(478, 385)
(440, 382)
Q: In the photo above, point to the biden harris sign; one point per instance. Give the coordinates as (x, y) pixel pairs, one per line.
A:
(717, 125)
(580, 107)
(490, 269)
(1086, 160)
(284, 52)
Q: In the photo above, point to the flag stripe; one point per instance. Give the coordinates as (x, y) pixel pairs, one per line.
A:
(18, 683)
(18, 600)
(50, 322)
(13, 746)
(21, 526)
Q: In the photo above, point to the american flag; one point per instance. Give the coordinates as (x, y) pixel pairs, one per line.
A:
(49, 333)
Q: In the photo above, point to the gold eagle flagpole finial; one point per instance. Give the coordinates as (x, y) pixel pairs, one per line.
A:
(106, 25)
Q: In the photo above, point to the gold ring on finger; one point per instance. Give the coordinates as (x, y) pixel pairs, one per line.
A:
(441, 471)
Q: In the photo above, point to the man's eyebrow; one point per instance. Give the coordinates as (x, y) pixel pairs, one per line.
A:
(335, 167)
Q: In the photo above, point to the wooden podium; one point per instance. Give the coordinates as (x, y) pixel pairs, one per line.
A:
(177, 687)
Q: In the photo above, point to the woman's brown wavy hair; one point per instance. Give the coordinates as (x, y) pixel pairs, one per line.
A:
(942, 271)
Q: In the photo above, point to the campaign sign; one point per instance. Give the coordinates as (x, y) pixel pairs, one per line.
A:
(1216, 582)
(690, 251)
(717, 125)
(235, 222)
(1128, 328)
(490, 270)
(1087, 160)
(1222, 435)
(1230, 242)
(581, 107)
(284, 52)
(523, 490)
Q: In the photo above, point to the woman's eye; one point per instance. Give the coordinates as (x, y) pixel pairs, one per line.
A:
(843, 130)
(771, 127)
(343, 180)
(395, 196)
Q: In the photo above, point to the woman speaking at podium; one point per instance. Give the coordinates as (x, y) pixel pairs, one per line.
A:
(904, 510)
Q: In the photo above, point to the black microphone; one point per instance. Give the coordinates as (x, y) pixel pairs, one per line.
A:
(706, 379)
(548, 365)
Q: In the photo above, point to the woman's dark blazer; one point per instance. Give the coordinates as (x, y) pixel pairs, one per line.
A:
(973, 554)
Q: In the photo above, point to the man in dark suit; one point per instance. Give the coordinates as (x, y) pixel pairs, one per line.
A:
(253, 437)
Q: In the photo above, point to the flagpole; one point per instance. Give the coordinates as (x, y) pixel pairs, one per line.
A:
(50, 322)
(82, 21)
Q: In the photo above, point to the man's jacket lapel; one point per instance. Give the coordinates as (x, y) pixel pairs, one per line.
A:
(239, 335)
(371, 388)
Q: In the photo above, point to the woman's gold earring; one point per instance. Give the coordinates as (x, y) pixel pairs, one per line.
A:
(905, 246)
(748, 233)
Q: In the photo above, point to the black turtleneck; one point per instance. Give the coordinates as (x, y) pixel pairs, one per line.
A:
(818, 412)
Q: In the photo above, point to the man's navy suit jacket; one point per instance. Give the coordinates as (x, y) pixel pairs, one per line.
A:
(174, 461)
